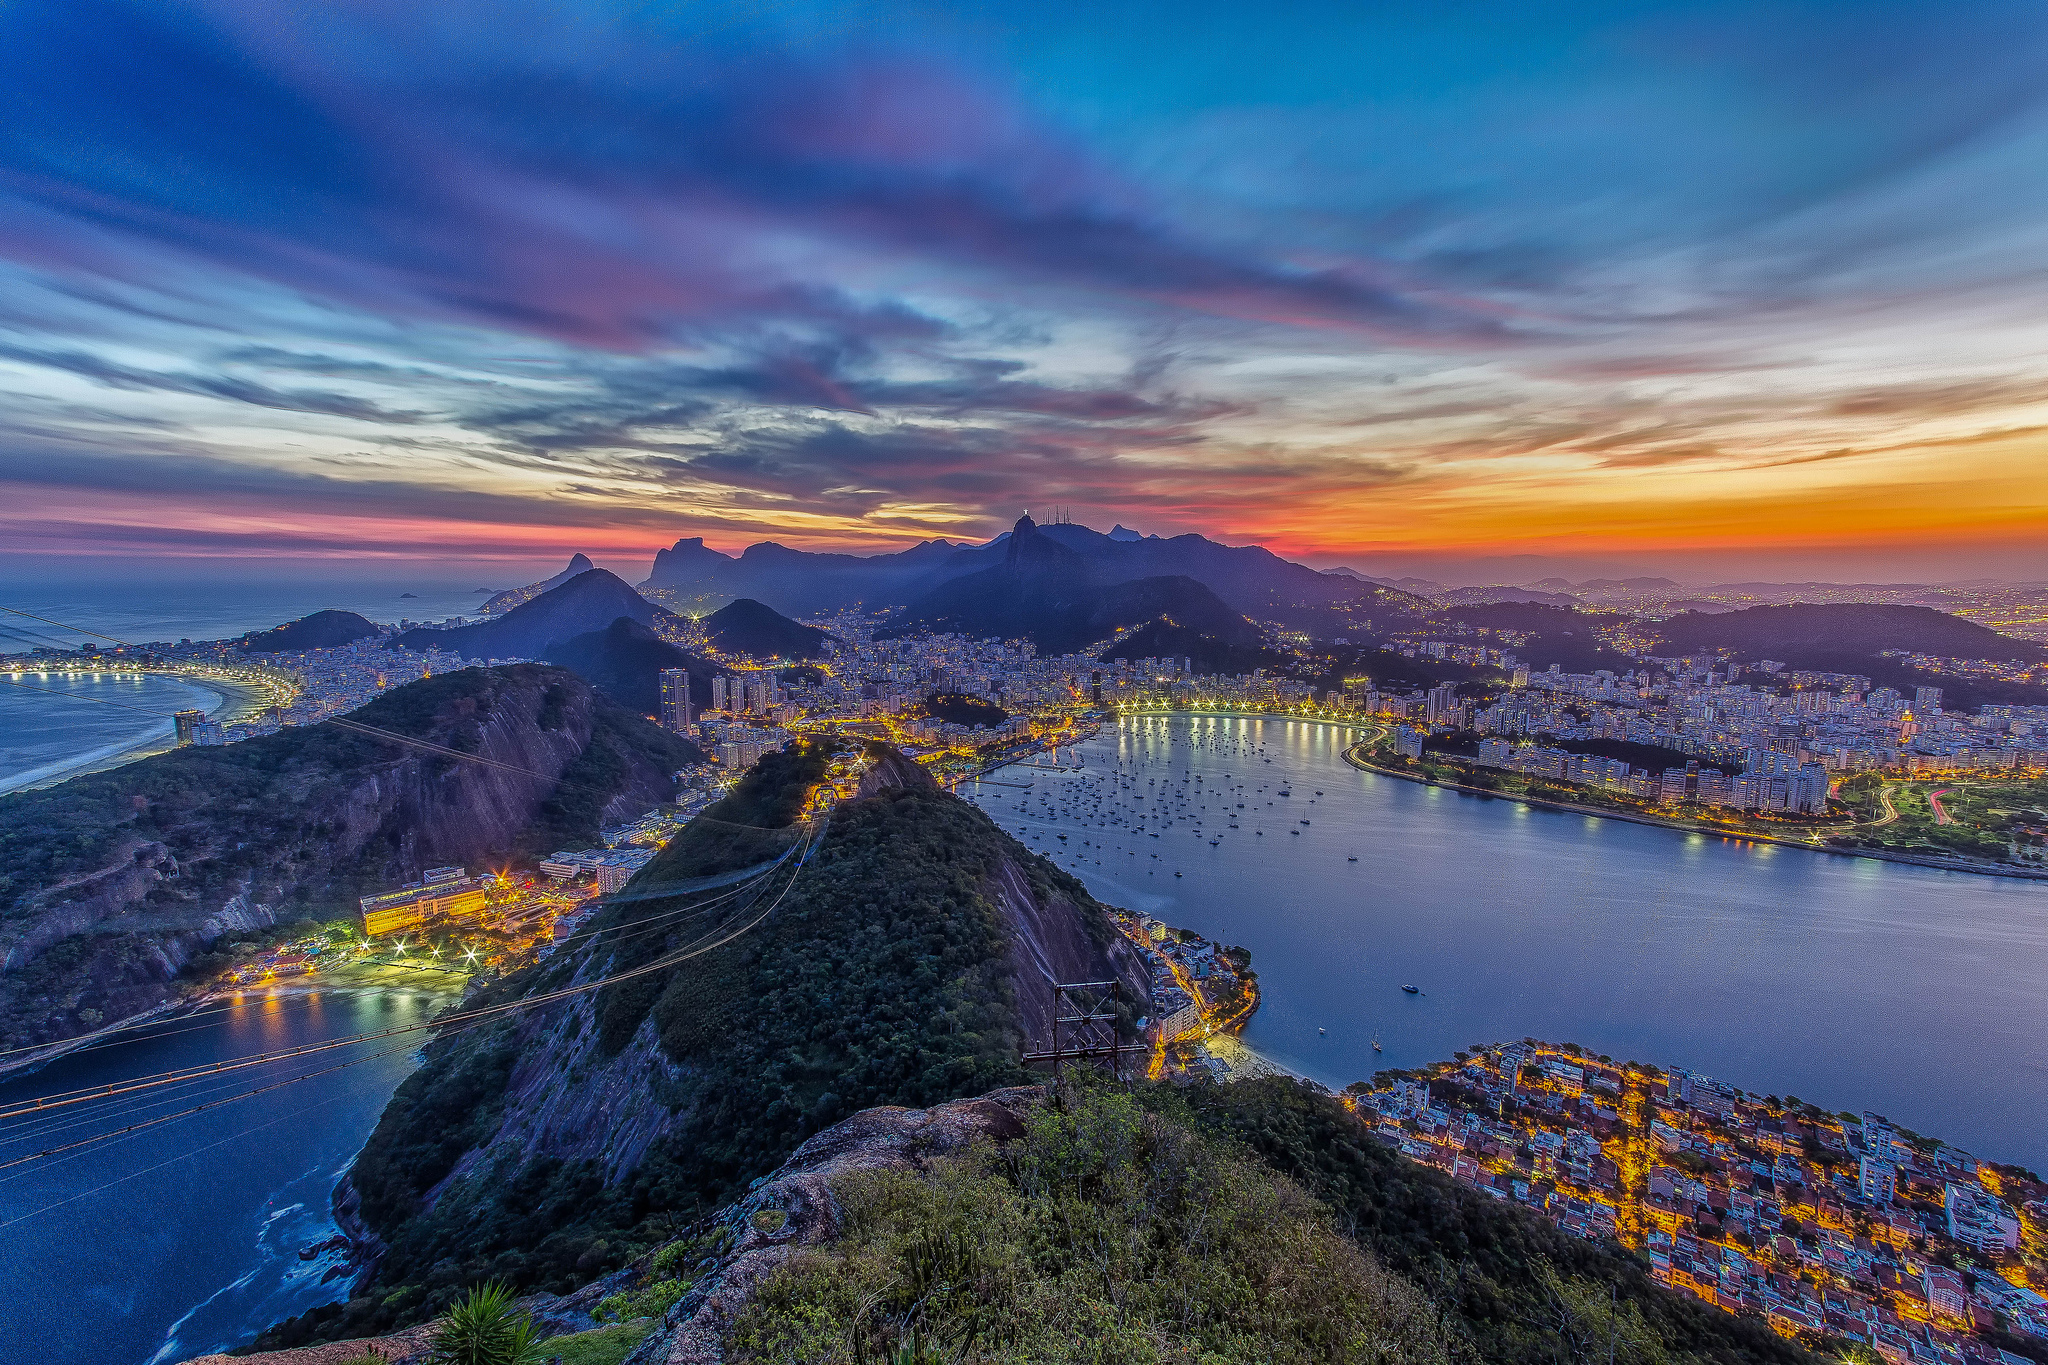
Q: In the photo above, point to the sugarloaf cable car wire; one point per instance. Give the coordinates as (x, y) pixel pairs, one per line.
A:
(110, 1036)
(755, 883)
(14, 1138)
(473, 1020)
(114, 1089)
(168, 1161)
(49, 1124)
(76, 630)
(370, 731)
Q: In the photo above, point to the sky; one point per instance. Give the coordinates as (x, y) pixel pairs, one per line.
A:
(1731, 290)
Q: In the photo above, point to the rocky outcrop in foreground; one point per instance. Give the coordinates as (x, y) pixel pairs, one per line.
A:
(795, 1208)
(792, 1209)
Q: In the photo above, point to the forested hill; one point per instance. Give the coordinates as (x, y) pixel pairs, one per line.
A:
(110, 884)
(1852, 637)
(1824, 632)
(907, 963)
(322, 630)
(634, 1134)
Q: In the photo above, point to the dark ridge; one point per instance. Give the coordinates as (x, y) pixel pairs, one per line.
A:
(758, 631)
(322, 630)
(590, 601)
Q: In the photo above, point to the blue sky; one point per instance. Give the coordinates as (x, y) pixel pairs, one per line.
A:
(1707, 284)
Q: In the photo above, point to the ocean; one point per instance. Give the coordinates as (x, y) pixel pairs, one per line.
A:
(84, 718)
(185, 1237)
(43, 735)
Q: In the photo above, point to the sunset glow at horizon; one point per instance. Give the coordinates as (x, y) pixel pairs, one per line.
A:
(1721, 290)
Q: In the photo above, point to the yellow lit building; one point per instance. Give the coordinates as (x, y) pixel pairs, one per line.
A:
(408, 909)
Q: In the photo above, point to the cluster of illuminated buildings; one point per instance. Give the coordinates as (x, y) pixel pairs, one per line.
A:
(1760, 737)
(1829, 1226)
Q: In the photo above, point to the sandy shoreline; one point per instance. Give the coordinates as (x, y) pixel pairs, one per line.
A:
(237, 702)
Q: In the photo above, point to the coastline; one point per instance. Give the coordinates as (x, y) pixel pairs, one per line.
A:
(237, 702)
(171, 1010)
(1351, 757)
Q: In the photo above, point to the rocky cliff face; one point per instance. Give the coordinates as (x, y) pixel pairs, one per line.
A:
(115, 882)
(909, 962)
(800, 1211)
(795, 1208)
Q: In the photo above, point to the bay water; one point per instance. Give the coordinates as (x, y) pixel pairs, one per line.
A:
(1851, 983)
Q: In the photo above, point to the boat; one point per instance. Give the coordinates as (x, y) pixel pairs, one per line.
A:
(1176, 874)
(1352, 859)
(1376, 1043)
(1322, 1031)
(1412, 990)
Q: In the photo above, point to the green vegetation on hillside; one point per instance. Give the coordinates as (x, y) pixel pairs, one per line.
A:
(961, 709)
(1105, 1233)
(881, 979)
(270, 818)
(1512, 1287)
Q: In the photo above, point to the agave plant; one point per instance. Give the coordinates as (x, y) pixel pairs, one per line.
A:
(484, 1329)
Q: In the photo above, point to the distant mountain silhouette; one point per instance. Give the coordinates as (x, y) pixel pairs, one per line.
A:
(624, 661)
(1501, 592)
(756, 629)
(1158, 639)
(590, 601)
(1055, 597)
(797, 582)
(1632, 584)
(1563, 635)
(1830, 631)
(513, 597)
(321, 630)
(1251, 580)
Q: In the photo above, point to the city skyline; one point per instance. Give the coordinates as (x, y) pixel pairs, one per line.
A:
(1713, 291)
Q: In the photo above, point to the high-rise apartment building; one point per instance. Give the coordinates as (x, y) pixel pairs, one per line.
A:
(675, 700)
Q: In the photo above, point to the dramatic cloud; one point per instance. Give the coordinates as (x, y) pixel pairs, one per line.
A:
(505, 277)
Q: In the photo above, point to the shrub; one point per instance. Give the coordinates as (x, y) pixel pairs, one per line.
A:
(604, 1346)
(650, 1301)
(484, 1329)
(1105, 1233)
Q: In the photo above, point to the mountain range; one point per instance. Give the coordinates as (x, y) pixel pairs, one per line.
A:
(590, 601)
(1061, 598)
(579, 563)
(1799, 633)
(1251, 580)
